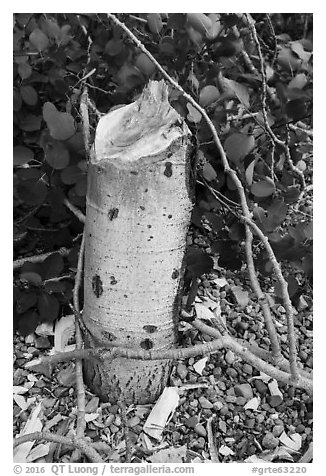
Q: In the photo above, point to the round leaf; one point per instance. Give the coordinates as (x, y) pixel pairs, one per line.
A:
(22, 155)
(57, 155)
(24, 70)
(194, 115)
(154, 22)
(238, 145)
(209, 172)
(29, 95)
(262, 189)
(39, 39)
(144, 64)
(61, 124)
(208, 95)
(200, 22)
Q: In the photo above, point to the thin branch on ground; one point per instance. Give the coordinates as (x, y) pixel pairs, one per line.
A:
(81, 399)
(81, 217)
(269, 322)
(18, 263)
(81, 444)
(224, 342)
(263, 354)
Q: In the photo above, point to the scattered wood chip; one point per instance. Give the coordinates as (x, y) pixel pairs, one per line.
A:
(64, 330)
(200, 365)
(159, 416)
(33, 424)
(292, 443)
(252, 404)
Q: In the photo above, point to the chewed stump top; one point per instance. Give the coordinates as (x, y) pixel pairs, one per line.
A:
(142, 128)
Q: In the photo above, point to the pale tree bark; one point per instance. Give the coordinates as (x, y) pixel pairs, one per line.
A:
(139, 203)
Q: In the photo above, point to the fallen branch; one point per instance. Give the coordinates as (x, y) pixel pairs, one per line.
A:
(81, 444)
(224, 342)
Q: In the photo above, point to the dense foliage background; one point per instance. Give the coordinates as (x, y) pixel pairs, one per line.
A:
(214, 58)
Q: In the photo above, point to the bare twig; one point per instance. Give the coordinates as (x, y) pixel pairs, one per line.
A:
(81, 217)
(270, 326)
(18, 263)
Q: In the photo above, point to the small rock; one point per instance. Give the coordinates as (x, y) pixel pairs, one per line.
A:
(176, 436)
(244, 390)
(19, 376)
(113, 428)
(222, 426)
(260, 418)
(247, 369)
(67, 376)
(200, 443)
(300, 428)
(42, 342)
(133, 421)
(231, 372)
(261, 386)
(250, 422)
(278, 430)
(92, 405)
(194, 403)
(274, 400)
(200, 430)
(229, 357)
(182, 371)
(218, 405)
(60, 391)
(231, 398)
(241, 401)
(224, 410)
(270, 441)
(191, 422)
(204, 403)
(217, 372)
(33, 351)
(221, 385)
